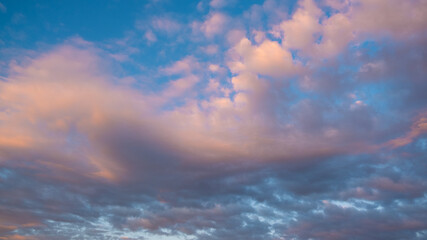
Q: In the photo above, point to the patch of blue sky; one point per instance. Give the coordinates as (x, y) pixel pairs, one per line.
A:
(345, 68)
(329, 11)
(382, 97)
(297, 57)
(53, 21)
(292, 6)
(5, 173)
(422, 144)
(375, 94)
(296, 94)
(369, 47)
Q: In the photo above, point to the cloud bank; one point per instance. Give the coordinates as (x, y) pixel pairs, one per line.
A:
(311, 127)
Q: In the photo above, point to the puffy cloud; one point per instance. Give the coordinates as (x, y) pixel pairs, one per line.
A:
(86, 104)
(214, 24)
(299, 32)
(268, 58)
(389, 17)
(279, 139)
(314, 34)
(337, 33)
(53, 100)
(234, 36)
(317, 35)
(184, 66)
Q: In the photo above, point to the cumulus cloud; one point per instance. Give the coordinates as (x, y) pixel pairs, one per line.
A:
(311, 127)
(268, 58)
(316, 35)
(299, 32)
(389, 17)
(214, 24)
(191, 128)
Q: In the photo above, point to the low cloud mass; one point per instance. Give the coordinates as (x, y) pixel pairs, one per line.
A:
(263, 120)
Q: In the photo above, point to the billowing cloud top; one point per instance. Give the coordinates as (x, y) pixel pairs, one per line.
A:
(213, 120)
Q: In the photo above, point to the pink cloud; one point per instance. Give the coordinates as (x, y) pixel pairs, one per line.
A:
(214, 24)
(65, 107)
(165, 24)
(183, 66)
(217, 3)
(317, 35)
(299, 32)
(268, 58)
(418, 128)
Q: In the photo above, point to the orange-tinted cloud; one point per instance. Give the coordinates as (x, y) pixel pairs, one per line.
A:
(418, 128)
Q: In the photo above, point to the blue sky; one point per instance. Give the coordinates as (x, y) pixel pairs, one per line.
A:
(213, 119)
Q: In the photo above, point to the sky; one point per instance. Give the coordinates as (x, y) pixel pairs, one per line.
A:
(213, 119)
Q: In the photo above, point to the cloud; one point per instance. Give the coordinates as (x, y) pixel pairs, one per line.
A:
(376, 224)
(184, 66)
(315, 129)
(165, 24)
(86, 107)
(150, 36)
(210, 49)
(217, 3)
(299, 32)
(389, 17)
(418, 128)
(318, 36)
(268, 58)
(214, 24)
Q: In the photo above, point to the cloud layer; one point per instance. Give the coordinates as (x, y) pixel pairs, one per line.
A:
(310, 125)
